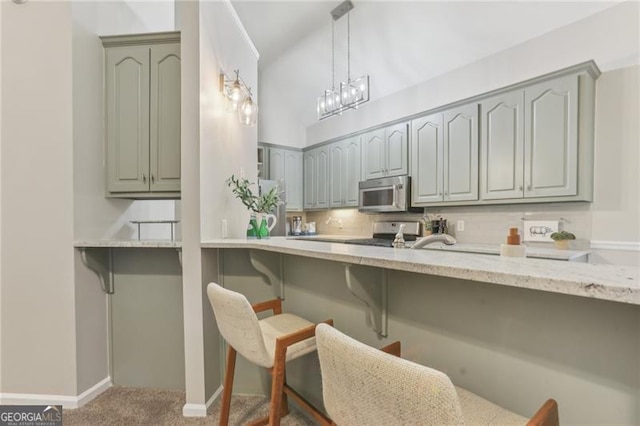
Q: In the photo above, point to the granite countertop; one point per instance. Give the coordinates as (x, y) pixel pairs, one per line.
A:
(127, 244)
(604, 282)
(537, 252)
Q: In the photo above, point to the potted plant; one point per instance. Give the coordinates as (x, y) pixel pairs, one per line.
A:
(562, 239)
(259, 205)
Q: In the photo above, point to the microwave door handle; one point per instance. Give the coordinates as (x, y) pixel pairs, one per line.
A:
(395, 197)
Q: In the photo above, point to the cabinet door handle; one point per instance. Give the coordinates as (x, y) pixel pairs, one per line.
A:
(528, 187)
(521, 188)
(153, 179)
(144, 178)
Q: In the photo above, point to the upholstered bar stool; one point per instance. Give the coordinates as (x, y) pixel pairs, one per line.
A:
(362, 385)
(268, 342)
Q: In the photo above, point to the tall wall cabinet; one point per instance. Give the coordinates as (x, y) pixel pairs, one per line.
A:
(142, 94)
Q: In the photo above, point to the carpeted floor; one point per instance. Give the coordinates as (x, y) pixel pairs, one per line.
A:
(136, 406)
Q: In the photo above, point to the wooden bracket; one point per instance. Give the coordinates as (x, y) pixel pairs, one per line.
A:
(271, 270)
(374, 296)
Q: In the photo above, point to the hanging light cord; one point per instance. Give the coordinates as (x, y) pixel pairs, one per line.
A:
(333, 56)
(349, 47)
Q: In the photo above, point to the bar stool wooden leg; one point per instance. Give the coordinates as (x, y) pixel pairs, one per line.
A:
(277, 384)
(228, 386)
(284, 407)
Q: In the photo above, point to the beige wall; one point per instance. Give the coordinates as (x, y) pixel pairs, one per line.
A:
(214, 146)
(38, 324)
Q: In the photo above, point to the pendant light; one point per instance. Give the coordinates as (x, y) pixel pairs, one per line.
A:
(351, 93)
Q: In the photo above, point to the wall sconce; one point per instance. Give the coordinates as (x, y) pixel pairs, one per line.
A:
(239, 99)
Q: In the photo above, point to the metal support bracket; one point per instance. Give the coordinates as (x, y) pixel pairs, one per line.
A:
(100, 261)
(373, 295)
(272, 271)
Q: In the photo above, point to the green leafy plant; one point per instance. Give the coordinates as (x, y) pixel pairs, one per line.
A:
(562, 235)
(241, 188)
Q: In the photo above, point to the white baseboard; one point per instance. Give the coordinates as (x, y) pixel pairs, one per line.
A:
(93, 392)
(65, 401)
(200, 410)
(616, 245)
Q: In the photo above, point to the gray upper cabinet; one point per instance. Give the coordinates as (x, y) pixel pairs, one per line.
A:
(444, 151)
(344, 172)
(385, 152)
(142, 92)
(461, 153)
(502, 146)
(427, 159)
(530, 142)
(322, 177)
(316, 178)
(551, 138)
(276, 164)
(310, 176)
(293, 179)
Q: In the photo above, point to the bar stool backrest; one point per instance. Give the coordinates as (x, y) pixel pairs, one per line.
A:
(238, 324)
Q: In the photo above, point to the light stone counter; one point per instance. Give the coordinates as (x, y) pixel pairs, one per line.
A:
(605, 282)
(127, 244)
(537, 252)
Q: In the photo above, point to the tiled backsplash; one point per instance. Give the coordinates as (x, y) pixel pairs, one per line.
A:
(482, 224)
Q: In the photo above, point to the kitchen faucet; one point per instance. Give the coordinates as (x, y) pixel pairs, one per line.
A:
(445, 238)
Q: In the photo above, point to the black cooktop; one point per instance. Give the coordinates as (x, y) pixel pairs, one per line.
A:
(379, 242)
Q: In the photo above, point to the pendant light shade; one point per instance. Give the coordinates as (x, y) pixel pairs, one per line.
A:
(248, 112)
(239, 100)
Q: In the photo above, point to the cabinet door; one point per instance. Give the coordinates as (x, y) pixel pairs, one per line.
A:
(427, 156)
(396, 145)
(336, 174)
(461, 153)
(352, 158)
(276, 164)
(293, 179)
(127, 97)
(551, 138)
(310, 189)
(373, 155)
(164, 153)
(322, 177)
(502, 146)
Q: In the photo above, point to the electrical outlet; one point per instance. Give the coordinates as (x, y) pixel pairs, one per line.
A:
(223, 228)
(460, 226)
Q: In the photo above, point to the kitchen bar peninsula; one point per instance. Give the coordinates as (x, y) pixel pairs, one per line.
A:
(605, 282)
(515, 331)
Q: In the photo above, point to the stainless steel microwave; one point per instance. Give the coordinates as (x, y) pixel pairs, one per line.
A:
(385, 195)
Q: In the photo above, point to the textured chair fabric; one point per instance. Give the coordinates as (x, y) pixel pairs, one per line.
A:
(238, 324)
(281, 325)
(362, 385)
(478, 411)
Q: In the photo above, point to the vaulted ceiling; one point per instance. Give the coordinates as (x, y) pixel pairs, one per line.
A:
(399, 44)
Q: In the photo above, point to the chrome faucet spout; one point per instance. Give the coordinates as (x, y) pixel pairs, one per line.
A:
(444, 238)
